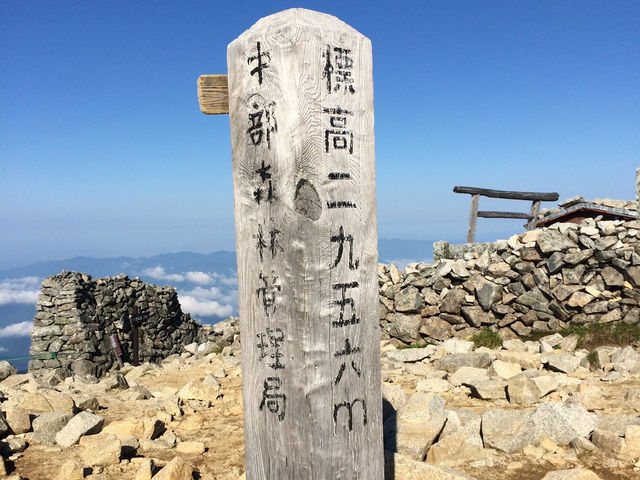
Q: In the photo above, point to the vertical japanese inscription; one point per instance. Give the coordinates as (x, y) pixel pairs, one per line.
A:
(260, 60)
(339, 147)
(338, 69)
(262, 126)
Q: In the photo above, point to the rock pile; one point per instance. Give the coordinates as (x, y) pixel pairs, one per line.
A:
(126, 425)
(535, 400)
(76, 316)
(542, 280)
(525, 410)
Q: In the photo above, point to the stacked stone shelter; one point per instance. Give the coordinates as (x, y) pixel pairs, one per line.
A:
(76, 316)
(542, 279)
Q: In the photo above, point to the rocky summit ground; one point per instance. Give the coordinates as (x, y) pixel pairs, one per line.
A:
(525, 410)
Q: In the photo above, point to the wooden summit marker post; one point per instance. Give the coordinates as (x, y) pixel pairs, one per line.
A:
(300, 91)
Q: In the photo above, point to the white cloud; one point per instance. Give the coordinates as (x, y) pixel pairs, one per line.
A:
(3, 349)
(230, 281)
(22, 329)
(19, 290)
(209, 301)
(158, 273)
(211, 293)
(202, 300)
(196, 306)
(197, 277)
(200, 278)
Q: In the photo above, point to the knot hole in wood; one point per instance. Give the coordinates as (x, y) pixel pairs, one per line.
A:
(307, 200)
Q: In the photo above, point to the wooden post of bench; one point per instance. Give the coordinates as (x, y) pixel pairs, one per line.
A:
(535, 210)
(535, 197)
(473, 218)
(301, 111)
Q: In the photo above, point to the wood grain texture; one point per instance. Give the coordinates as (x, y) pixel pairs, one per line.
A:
(496, 214)
(513, 195)
(213, 94)
(306, 152)
(473, 219)
(533, 218)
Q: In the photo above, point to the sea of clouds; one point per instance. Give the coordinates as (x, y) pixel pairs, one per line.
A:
(202, 294)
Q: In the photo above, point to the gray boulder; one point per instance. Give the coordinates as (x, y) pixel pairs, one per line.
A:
(453, 301)
(406, 327)
(50, 423)
(451, 363)
(416, 425)
(488, 294)
(559, 361)
(510, 431)
(6, 369)
(550, 241)
(409, 300)
(84, 423)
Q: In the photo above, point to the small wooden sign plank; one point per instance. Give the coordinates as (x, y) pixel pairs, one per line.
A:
(213, 94)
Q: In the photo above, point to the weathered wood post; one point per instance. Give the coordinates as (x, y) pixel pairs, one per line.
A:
(473, 219)
(301, 109)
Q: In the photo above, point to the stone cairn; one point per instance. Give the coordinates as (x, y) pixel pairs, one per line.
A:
(76, 316)
(539, 280)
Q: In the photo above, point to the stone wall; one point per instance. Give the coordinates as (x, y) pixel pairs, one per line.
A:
(76, 315)
(541, 279)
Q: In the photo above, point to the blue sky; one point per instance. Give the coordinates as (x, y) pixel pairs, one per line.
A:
(104, 152)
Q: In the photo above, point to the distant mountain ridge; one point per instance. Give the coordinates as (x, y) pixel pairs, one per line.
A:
(221, 261)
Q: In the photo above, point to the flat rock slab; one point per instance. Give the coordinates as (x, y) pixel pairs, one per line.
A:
(561, 362)
(460, 441)
(84, 423)
(410, 355)
(504, 370)
(455, 345)
(550, 241)
(102, 449)
(416, 425)
(47, 401)
(176, 469)
(572, 474)
(487, 389)
(453, 362)
(197, 390)
(148, 428)
(50, 423)
(617, 423)
(521, 390)
(434, 385)
(510, 430)
(524, 359)
(465, 374)
(401, 467)
(19, 420)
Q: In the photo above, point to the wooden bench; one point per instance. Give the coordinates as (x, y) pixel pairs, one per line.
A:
(534, 197)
